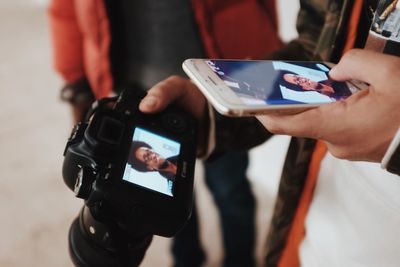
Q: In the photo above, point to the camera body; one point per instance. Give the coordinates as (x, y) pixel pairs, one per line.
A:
(102, 161)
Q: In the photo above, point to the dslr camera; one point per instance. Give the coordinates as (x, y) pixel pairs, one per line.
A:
(135, 173)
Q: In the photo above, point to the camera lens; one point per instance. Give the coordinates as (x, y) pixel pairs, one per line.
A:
(174, 122)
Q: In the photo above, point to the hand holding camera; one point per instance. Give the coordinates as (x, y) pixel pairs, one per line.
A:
(135, 172)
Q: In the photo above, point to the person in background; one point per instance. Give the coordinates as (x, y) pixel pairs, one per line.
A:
(328, 212)
(101, 47)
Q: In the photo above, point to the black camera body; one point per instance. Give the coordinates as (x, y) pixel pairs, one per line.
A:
(99, 166)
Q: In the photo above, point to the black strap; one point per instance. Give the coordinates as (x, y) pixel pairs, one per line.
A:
(394, 162)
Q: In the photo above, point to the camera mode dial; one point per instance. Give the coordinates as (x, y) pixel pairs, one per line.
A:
(83, 184)
(174, 122)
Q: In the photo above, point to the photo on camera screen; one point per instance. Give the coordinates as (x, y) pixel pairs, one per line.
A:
(279, 82)
(152, 161)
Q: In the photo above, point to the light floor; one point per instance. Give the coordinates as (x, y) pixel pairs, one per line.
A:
(36, 208)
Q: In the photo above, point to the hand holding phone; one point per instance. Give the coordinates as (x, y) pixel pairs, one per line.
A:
(252, 87)
(360, 128)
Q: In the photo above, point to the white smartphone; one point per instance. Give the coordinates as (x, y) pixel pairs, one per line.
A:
(252, 87)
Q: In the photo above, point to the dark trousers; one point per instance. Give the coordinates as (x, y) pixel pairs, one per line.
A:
(226, 179)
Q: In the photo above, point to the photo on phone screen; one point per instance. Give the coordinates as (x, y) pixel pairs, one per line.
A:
(279, 82)
(152, 161)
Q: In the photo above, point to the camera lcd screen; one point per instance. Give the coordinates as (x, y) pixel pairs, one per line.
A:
(152, 161)
(279, 82)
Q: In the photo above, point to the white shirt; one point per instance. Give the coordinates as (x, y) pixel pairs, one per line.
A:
(354, 218)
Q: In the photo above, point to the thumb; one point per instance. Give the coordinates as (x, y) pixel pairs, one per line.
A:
(175, 90)
(163, 94)
(361, 65)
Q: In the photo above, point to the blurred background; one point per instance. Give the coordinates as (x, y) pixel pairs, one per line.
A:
(36, 208)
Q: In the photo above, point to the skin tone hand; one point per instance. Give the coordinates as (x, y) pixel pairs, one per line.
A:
(178, 90)
(360, 127)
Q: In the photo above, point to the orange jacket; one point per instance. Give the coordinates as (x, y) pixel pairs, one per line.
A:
(229, 29)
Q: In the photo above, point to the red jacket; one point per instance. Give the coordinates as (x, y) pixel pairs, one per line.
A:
(228, 28)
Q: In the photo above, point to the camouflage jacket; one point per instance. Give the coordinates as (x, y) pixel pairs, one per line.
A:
(322, 28)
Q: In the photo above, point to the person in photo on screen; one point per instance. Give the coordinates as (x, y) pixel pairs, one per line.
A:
(144, 159)
(300, 83)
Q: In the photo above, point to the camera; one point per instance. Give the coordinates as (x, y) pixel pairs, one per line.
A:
(135, 173)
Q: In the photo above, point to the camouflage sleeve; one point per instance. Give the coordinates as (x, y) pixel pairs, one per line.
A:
(310, 21)
(237, 133)
(318, 25)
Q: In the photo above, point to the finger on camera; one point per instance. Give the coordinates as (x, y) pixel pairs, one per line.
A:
(162, 94)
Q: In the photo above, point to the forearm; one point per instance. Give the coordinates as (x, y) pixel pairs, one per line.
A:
(294, 50)
(236, 133)
(66, 40)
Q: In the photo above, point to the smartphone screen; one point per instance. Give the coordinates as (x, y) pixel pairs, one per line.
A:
(279, 82)
(152, 161)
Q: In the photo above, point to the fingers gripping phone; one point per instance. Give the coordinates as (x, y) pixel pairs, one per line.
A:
(252, 87)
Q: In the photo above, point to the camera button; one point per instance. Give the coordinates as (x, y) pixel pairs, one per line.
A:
(136, 210)
(174, 122)
(83, 183)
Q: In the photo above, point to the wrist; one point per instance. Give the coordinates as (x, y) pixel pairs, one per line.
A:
(206, 133)
(77, 93)
(391, 159)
